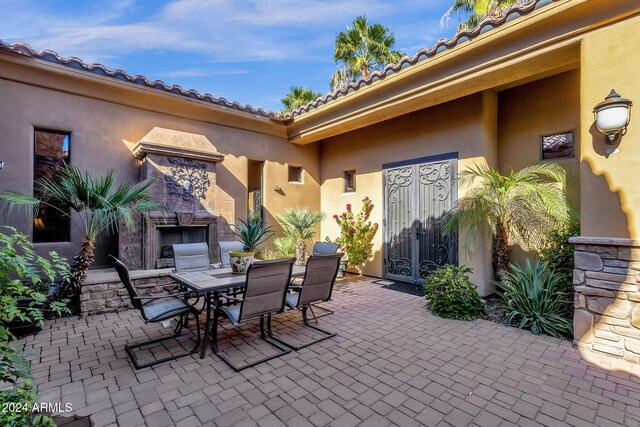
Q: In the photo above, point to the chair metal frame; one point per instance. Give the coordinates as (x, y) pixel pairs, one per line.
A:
(308, 305)
(323, 248)
(139, 303)
(265, 334)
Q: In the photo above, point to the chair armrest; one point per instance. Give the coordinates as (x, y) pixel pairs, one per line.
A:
(229, 297)
(179, 294)
(152, 286)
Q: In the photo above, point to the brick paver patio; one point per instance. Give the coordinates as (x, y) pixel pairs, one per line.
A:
(392, 363)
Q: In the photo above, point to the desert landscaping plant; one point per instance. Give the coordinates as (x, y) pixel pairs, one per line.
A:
(356, 234)
(452, 295)
(534, 299)
(252, 231)
(299, 225)
(517, 208)
(93, 203)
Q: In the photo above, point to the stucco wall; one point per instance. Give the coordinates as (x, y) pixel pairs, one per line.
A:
(525, 113)
(454, 126)
(102, 134)
(610, 194)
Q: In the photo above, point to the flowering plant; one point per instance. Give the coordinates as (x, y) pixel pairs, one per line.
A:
(356, 233)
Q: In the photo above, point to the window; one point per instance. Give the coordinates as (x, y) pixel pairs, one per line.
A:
(51, 152)
(557, 145)
(350, 181)
(295, 174)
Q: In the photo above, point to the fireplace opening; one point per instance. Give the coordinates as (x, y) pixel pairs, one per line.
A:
(168, 236)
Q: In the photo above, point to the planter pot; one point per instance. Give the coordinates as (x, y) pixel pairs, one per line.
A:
(20, 328)
(240, 261)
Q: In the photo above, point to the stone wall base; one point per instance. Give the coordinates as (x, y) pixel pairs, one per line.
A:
(103, 292)
(607, 296)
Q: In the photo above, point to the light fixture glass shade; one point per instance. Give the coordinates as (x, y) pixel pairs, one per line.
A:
(612, 119)
(612, 115)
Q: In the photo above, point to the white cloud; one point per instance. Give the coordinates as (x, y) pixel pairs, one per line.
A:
(204, 72)
(222, 30)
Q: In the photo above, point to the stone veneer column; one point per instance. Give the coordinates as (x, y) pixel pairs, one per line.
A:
(607, 296)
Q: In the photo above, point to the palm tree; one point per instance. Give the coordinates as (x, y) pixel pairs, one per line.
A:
(300, 224)
(361, 49)
(297, 97)
(476, 10)
(93, 203)
(517, 208)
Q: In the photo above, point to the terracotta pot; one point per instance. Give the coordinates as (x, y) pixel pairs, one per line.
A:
(240, 261)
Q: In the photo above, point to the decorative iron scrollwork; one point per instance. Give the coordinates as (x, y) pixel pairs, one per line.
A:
(187, 178)
(437, 174)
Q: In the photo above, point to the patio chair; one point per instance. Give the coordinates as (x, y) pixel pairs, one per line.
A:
(320, 248)
(263, 295)
(317, 286)
(324, 248)
(174, 306)
(191, 257)
(225, 247)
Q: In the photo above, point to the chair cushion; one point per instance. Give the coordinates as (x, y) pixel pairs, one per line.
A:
(292, 299)
(165, 310)
(232, 313)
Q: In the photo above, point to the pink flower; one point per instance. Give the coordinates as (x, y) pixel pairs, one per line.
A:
(349, 207)
(335, 216)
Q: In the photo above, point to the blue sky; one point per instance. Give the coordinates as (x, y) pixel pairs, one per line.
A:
(247, 51)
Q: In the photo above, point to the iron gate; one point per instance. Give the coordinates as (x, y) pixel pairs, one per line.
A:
(417, 194)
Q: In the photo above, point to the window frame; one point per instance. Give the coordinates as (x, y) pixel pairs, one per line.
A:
(346, 189)
(573, 146)
(67, 134)
(300, 174)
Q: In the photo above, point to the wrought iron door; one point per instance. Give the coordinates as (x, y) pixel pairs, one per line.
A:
(417, 195)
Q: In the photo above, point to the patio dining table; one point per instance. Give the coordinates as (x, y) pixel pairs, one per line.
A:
(211, 283)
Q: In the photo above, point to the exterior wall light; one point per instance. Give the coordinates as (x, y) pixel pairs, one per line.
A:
(1, 164)
(277, 188)
(612, 116)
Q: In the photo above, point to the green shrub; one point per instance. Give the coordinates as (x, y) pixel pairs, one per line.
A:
(21, 273)
(285, 246)
(558, 253)
(534, 299)
(356, 234)
(452, 295)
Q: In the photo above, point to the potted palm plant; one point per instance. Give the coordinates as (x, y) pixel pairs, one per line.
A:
(252, 231)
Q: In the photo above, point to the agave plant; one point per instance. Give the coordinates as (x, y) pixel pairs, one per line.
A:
(300, 224)
(534, 300)
(252, 231)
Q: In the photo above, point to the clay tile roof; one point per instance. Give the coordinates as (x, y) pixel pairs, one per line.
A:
(461, 36)
(101, 70)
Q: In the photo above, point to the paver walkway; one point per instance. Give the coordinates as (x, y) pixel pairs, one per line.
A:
(392, 363)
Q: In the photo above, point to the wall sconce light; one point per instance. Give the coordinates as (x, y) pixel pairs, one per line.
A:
(186, 185)
(1, 164)
(612, 116)
(39, 224)
(277, 188)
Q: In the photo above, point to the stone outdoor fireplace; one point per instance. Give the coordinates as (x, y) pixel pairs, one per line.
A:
(183, 167)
